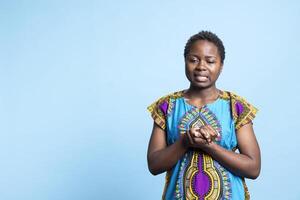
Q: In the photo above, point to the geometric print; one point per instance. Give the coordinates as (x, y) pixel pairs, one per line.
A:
(196, 118)
(200, 176)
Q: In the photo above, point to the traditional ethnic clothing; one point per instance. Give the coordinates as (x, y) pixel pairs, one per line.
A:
(196, 175)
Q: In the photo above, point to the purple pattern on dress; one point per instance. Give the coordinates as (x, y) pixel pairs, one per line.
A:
(164, 107)
(239, 108)
(201, 181)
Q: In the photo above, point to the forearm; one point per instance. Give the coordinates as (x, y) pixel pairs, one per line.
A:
(239, 164)
(164, 159)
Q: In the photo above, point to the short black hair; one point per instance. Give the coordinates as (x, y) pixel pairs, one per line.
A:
(209, 36)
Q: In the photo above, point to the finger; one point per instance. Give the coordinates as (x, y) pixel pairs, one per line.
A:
(205, 134)
(212, 131)
(192, 132)
(190, 137)
(200, 141)
(195, 132)
(217, 136)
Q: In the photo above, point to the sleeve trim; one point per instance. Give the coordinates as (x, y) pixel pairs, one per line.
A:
(156, 117)
(242, 111)
(159, 113)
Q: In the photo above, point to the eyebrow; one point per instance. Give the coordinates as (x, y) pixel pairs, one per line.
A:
(205, 56)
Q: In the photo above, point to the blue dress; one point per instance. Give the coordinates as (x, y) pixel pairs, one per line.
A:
(197, 175)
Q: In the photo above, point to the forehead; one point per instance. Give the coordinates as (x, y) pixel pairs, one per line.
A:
(204, 47)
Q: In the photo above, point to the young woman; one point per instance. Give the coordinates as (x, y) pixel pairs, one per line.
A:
(197, 131)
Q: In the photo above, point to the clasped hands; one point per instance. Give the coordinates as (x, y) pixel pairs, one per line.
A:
(200, 137)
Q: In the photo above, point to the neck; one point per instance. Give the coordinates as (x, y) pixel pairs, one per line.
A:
(202, 93)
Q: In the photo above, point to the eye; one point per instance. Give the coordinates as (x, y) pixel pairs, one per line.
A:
(193, 60)
(211, 61)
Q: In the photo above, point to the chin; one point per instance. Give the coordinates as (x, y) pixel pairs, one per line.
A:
(201, 85)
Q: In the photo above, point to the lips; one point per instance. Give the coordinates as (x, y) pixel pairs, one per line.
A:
(201, 78)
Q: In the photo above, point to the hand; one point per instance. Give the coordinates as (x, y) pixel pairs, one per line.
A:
(209, 133)
(200, 137)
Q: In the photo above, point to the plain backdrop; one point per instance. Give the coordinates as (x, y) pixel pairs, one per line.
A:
(76, 78)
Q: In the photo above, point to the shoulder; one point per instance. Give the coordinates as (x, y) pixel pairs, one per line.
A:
(240, 103)
(243, 111)
(163, 100)
(159, 107)
(229, 95)
(172, 95)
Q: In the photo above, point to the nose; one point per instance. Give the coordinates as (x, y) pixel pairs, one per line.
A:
(201, 66)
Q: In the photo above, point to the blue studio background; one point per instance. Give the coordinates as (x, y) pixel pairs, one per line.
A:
(76, 78)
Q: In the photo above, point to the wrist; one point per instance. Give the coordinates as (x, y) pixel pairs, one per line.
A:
(184, 141)
(209, 147)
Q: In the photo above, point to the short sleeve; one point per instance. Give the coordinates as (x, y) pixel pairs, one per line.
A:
(158, 110)
(243, 112)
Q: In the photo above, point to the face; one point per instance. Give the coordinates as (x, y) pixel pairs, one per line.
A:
(203, 64)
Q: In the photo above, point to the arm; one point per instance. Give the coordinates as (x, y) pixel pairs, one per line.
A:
(160, 156)
(247, 163)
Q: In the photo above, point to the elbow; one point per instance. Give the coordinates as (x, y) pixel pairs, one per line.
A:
(153, 166)
(153, 170)
(254, 173)
(253, 168)
(253, 176)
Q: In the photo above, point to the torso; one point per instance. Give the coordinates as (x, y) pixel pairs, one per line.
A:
(197, 175)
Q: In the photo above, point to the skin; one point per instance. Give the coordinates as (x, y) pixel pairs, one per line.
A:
(202, 67)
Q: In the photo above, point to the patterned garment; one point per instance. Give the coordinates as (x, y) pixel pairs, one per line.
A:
(196, 175)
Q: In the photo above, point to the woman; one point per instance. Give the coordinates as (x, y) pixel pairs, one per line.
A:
(197, 131)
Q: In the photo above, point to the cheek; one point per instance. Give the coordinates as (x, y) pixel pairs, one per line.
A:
(217, 69)
(188, 70)
(217, 72)
(220, 69)
(187, 73)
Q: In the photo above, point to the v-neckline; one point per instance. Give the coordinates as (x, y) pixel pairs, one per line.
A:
(203, 106)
